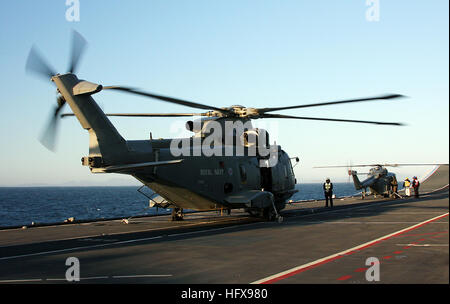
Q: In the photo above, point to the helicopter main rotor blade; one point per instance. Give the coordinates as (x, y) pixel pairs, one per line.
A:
(38, 65)
(331, 119)
(374, 165)
(155, 114)
(165, 98)
(382, 165)
(146, 114)
(401, 165)
(78, 47)
(383, 97)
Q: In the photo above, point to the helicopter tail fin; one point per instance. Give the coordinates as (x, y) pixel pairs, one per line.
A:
(106, 145)
(356, 180)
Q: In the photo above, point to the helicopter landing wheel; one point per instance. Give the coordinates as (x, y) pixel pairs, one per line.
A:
(270, 215)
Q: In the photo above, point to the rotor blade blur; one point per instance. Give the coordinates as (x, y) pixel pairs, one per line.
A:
(331, 119)
(381, 165)
(48, 138)
(78, 47)
(146, 114)
(155, 114)
(400, 165)
(38, 65)
(165, 98)
(321, 167)
(383, 97)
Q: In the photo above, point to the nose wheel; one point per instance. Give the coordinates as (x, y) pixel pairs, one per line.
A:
(271, 214)
(274, 216)
(268, 214)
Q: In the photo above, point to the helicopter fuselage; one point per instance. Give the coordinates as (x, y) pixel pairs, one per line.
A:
(203, 183)
(379, 181)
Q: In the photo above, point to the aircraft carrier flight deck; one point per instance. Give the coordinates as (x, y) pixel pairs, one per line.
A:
(408, 237)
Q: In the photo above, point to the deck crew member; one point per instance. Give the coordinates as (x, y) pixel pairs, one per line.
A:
(415, 185)
(407, 185)
(394, 185)
(328, 191)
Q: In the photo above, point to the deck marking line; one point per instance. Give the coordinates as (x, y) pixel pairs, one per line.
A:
(78, 248)
(142, 276)
(290, 272)
(89, 278)
(362, 269)
(424, 245)
(346, 277)
(421, 234)
(20, 281)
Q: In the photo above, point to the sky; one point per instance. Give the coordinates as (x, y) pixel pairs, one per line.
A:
(250, 52)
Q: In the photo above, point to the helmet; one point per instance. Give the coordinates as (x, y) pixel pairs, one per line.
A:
(406, 179)
(415, 177)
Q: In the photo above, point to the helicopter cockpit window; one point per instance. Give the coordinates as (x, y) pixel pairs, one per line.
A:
(243, 173)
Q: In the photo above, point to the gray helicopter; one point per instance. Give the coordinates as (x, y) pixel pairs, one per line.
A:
(260, 178)
(379, 180)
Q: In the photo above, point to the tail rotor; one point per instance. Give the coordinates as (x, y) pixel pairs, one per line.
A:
(36, 64)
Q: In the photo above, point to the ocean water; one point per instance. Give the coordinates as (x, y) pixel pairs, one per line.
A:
(24, 205)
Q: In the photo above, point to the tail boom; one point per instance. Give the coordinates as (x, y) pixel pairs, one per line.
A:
(356, 181)
(104, 140)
